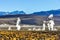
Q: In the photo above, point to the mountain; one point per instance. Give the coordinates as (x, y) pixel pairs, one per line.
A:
(3, 13)
(45, 13)
(41, 13)
(12, 13)
(17, 12)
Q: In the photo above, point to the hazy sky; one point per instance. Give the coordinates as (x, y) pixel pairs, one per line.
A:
(29, 6)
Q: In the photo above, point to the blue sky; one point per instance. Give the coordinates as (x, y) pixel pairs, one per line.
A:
(29, 6)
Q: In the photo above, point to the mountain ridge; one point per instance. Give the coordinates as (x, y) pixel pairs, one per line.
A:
(45, 13)
(12, 13)
(41, 13)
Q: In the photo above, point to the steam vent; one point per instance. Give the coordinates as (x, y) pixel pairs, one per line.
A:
(18, 28)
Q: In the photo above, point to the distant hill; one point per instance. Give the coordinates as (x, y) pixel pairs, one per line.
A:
(41, 13)
(17, 12)
(45, 13)
(12, 13)
(28, 19)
